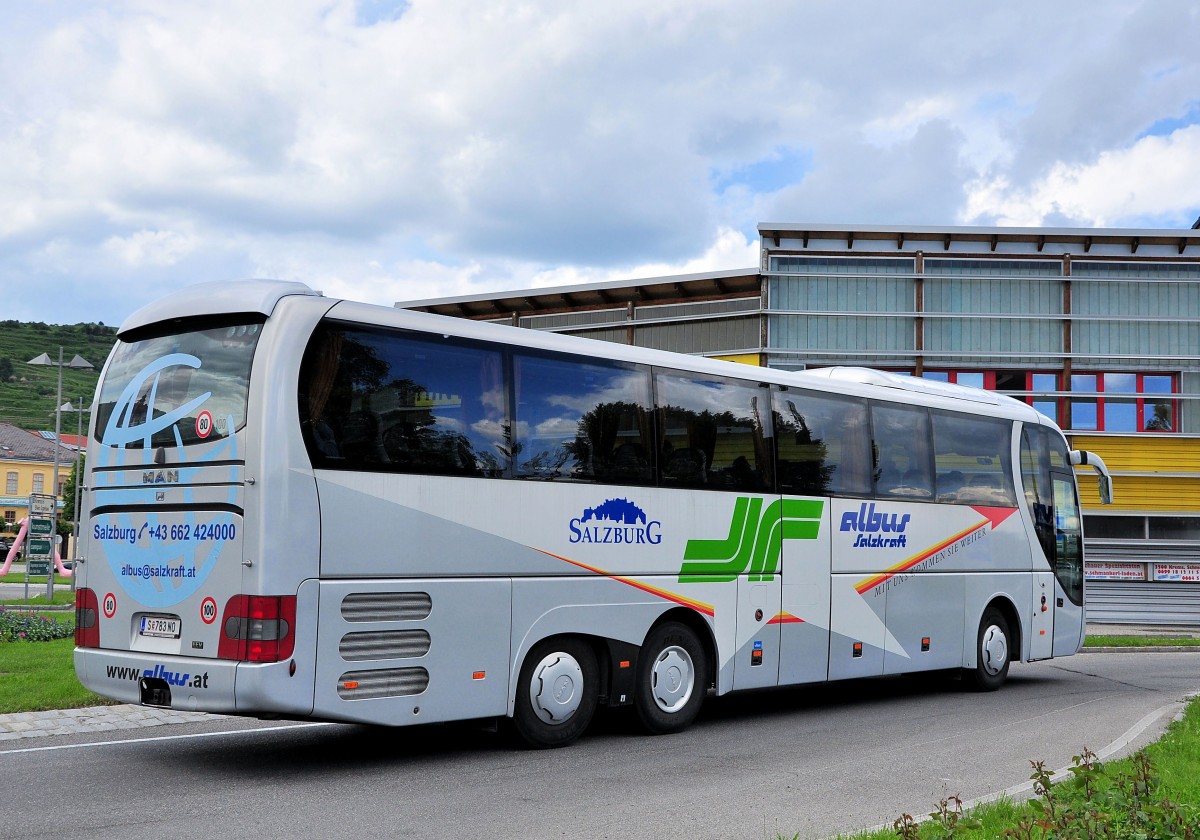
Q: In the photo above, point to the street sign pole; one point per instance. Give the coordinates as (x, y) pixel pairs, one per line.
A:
(39, 555)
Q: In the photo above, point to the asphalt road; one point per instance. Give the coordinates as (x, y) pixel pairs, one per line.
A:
(815, 761)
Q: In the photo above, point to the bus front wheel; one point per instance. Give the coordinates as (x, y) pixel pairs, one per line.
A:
(556, 692)
(672, 678)
(992, 654)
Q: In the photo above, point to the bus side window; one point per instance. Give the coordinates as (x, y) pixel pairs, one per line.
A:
(822, 444)
(901, 436)
(972, 461)
(712, 434)
(387, 400)
(579, 420)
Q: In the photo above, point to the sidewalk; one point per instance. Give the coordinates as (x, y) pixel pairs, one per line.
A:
(89, 720)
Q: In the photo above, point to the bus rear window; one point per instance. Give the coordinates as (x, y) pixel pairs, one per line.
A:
(179, 389)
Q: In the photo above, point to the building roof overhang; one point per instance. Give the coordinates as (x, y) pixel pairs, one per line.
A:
(710, 285)
(934, 238)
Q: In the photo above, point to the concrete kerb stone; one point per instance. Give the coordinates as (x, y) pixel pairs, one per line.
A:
(91, 719)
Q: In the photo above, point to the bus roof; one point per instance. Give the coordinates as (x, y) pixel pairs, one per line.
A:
(262, 296)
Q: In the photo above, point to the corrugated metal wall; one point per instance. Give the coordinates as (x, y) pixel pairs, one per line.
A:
(1147, 318)
(846, 298)
(1121, 602)
(965, 288)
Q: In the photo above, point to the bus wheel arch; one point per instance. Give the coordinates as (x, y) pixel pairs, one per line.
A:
(997, 640)
(557, 691)
(674, 672)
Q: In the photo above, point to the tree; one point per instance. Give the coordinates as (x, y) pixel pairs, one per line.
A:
(6, 370)
(68, 512)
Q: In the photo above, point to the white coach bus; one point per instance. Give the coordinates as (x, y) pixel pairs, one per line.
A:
(309, 508)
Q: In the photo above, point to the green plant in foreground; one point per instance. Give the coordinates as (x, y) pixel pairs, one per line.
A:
(18, 626)
(947, 821)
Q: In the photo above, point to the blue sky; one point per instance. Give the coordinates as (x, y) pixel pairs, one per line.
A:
(389, 151)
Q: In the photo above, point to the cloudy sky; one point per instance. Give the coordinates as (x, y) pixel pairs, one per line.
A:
(386, 151)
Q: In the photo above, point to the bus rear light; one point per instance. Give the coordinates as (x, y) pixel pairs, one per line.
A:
(258, 628)
(87, 628)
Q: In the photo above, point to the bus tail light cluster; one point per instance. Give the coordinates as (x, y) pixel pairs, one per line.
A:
(87, 625)
(258, 628)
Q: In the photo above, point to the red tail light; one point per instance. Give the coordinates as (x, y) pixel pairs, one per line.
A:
(258, 628)
(87, 625)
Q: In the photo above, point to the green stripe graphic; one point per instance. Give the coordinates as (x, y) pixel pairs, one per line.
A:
(755, 540)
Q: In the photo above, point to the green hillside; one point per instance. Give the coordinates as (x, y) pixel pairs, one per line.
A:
(27, 391)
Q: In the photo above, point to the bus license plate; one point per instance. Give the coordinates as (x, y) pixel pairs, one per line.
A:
(157, 625)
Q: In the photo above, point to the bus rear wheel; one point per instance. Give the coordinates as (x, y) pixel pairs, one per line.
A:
(672, 678)
(992, 654)
(556, 692)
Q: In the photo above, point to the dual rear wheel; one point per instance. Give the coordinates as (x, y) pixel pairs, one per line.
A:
(557, 691)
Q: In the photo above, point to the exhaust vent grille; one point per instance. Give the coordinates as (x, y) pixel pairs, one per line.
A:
(386, 606)
(384, 644)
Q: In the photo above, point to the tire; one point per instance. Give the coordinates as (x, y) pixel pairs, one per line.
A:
(672, 678)
(992, 652)
(556, 692)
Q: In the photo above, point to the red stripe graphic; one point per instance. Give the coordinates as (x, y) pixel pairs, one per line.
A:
(994, 516)
(786, 618)
(699, 606)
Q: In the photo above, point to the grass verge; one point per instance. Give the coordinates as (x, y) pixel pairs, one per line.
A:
(1140, 641)
(1154, 793)
(40, 580)
(37, 598)
(38, 676)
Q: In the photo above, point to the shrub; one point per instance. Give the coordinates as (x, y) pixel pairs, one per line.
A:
(18, 626)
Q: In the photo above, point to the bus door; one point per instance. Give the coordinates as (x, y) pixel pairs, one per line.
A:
(1068, 565)
(1053, 506)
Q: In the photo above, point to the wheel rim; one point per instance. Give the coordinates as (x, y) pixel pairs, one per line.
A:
(556, 688)
(672, 679)
(994, 650)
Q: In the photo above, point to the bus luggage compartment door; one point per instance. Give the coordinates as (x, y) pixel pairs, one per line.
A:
(1041, 636)
(398, 652)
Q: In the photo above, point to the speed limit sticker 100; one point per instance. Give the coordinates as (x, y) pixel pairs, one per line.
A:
(208, 610)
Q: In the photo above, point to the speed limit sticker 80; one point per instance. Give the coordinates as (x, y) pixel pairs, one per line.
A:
(204, 424)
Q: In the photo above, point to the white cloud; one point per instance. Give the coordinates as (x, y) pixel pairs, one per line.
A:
(448, 148)
(159, 248)
(1156, 178)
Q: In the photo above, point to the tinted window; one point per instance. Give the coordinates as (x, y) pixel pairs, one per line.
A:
(971, 457)
(156, 390)
(712, 435)
(823, 444)
(384, 400)
(901, 436)
(582, 421)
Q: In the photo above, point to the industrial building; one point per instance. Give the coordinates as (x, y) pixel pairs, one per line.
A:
(1098, 329)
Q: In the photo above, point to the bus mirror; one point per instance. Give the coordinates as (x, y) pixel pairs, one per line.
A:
(1083, 458)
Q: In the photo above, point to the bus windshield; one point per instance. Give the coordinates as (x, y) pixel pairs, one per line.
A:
(178, 389)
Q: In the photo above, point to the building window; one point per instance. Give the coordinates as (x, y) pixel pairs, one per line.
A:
(10, 518)
(11, 485)
(1112, 401)
(1123, 402)
(39, 483)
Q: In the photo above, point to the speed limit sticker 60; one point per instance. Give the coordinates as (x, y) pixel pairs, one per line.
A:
(208, 610)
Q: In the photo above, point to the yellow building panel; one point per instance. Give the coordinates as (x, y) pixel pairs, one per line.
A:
(1142, 493)
(1143, 453)
(741, 358)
